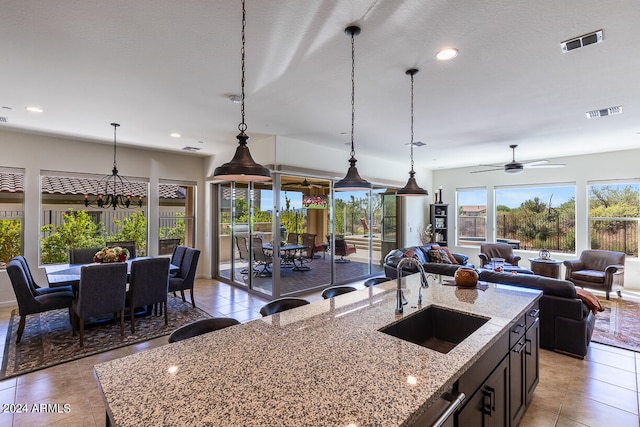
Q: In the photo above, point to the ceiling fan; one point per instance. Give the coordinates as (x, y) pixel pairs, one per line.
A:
(305, 183)
(514, 167)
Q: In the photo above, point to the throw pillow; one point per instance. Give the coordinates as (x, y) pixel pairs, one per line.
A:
(590, 300)
(438, 256)
(409, 253)
(445, 256)
(449, 255)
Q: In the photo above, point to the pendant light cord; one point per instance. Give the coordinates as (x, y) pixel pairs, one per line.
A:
(242, 126)
(412, 122)
(353, 91)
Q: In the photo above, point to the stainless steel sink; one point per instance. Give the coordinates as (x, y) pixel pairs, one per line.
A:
(436, 328)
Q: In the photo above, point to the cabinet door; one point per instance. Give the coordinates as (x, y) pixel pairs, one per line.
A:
(532, 374)
(489, 406)
(517, 364)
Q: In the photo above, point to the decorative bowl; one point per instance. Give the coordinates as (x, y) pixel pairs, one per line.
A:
(466, 277)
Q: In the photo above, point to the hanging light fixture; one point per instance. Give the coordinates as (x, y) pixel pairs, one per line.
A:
(352, 181)
(412, 188)
(242, 167)
(114, 191)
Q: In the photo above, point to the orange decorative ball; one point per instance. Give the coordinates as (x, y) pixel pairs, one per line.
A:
(465, 276)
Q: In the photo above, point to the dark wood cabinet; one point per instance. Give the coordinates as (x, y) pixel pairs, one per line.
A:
(439, 217)
(500, 385)
(489, 406)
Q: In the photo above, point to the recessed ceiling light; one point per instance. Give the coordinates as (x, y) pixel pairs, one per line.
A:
(35, 109)
(447, 54)
(175, 135)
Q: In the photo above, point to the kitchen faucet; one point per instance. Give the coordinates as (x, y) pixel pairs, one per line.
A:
(400, 300)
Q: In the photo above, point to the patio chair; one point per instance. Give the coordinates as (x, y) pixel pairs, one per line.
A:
(261, 259)
(343, 249)
(243, 252)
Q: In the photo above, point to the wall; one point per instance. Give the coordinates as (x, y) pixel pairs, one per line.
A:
(579, 171)
(34, 152)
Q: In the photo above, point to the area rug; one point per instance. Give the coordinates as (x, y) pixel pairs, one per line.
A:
(619, 324)
(47, 338)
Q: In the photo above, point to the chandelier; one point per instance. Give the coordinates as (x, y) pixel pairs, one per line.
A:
(412, 188)
(352, 181)
(242, 167)
(114, 191)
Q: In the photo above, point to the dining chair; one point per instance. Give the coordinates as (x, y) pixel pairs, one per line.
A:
(102, 290)
(176, 257)
(334, 291)
(28, 303)
(261, 260)
(200, 327)
(129, 245)
(282, 304)
(185, 277)
(82, 255)
(35, 288)
(148, 285)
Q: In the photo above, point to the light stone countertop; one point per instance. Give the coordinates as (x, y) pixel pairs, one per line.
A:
(324, 364)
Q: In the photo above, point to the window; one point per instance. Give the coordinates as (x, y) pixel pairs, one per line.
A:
(176, 216)
(67, 223)
(472, 216)
(11, 213)
(536, 218)
(613, 217)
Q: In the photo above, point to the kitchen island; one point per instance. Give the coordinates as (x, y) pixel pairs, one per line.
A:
(324, 364)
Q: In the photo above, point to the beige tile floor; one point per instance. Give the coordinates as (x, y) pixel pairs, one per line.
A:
(601, 390)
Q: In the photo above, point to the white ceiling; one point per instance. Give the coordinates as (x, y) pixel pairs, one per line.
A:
(158, 67)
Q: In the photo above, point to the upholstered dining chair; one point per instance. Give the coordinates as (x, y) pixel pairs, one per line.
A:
(28, 303)
(282, 304)
(334, 291)
(200, 327)
(148, 285)
(186, 275)
(176, 257)
(102, 290)
(82, 255)
(35, 288)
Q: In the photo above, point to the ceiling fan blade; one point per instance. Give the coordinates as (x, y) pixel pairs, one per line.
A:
(489, 170)
(547, 165)
(534, 163)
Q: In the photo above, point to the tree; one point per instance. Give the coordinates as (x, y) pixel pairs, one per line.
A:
(9, 239)
(132, 228)
(76, 231)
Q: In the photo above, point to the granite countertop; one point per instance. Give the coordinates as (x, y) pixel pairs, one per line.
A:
(324, 364)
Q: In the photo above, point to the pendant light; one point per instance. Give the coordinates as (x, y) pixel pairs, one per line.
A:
(412, 188)
(242, 167)
(113, 191)
(352, 181)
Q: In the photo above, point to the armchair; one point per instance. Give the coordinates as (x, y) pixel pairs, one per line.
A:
(598, 269)
(497, 250)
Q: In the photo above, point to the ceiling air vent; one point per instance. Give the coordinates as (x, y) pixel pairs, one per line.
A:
(4, 120)
(188, 148)
(604, 112)
(586, 40)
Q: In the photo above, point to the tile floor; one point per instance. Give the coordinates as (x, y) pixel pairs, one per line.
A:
(600, 390)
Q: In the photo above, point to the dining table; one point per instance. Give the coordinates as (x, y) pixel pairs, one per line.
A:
(69, 274)
(289, 255)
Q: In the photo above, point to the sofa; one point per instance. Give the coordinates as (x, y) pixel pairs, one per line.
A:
(421, 253)
(566, 320)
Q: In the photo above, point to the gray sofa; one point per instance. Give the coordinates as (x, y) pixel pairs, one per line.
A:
(566, 322)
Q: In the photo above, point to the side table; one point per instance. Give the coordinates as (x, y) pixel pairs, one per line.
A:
(546, 267)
